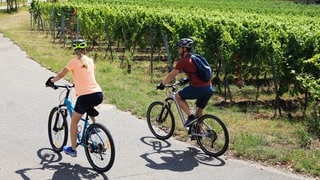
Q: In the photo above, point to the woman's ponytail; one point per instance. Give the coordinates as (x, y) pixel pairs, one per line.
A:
(83, 58)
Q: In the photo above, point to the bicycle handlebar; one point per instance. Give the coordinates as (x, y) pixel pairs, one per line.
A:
(172, 85)
(66, 86)
(181, 82)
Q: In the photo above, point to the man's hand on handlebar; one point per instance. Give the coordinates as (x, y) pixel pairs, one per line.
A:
(49, 83)
(160, 86)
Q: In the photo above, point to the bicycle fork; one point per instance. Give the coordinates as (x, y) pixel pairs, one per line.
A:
(58, 123)
(164, 112)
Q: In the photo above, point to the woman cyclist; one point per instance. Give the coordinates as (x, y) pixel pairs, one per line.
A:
(88, 91)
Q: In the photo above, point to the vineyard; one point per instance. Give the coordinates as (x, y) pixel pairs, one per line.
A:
(248, 43)
(265, 54)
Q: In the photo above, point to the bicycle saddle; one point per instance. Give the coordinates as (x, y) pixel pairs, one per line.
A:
(92, 112)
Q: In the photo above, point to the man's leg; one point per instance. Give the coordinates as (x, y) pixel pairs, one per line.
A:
(183, 105)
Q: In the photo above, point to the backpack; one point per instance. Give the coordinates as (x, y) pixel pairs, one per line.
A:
(204, 71)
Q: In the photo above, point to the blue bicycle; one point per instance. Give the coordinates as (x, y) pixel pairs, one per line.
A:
(94, 137)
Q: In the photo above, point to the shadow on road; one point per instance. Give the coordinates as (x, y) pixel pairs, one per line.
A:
(51, 161)
(175, 160)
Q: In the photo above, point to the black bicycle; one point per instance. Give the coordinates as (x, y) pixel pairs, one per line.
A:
(210, 132)
(94, 137)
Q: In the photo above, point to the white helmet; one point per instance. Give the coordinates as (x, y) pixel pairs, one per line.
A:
(185, 42)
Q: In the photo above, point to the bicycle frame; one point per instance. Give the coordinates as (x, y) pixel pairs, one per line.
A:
(172, 97)
(68, 104)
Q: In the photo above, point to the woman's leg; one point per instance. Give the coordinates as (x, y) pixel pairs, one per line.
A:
(74, 128)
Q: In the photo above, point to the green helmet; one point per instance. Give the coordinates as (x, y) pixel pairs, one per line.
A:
(79, 44)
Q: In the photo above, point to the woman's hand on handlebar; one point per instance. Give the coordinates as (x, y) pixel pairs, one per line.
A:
(49, 83)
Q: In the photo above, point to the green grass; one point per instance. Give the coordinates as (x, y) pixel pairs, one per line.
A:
(273, 141)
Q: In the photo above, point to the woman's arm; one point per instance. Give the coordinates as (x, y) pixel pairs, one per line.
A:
(60, 75)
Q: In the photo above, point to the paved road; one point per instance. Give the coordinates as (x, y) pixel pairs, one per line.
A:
(25, 151)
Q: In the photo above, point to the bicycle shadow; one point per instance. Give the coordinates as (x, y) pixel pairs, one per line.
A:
(175, 160)
(51, 161)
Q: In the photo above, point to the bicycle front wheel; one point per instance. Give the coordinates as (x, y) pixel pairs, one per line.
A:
(213, 136)
(57, 129)
(160, 120)
(100, 148)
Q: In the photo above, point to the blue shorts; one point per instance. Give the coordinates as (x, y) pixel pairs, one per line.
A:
(85, 103)
(201, 94)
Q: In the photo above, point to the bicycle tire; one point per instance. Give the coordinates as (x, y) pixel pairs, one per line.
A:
(99, 148)
(213, 136)
(161, 127)
(57, 129)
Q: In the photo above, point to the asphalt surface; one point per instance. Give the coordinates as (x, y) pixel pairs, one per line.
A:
(25, 151)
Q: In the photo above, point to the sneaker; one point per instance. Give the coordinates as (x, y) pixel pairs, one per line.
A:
(191, 120)
(68, 150)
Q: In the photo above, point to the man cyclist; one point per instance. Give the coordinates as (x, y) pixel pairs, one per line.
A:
(88, 91)
(198, 89)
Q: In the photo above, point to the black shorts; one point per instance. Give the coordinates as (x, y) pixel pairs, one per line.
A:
(85, 103)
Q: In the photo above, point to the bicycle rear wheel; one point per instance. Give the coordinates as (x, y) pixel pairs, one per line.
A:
(212, 135)
(160, 120)
(100, 148)
(58, 129)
